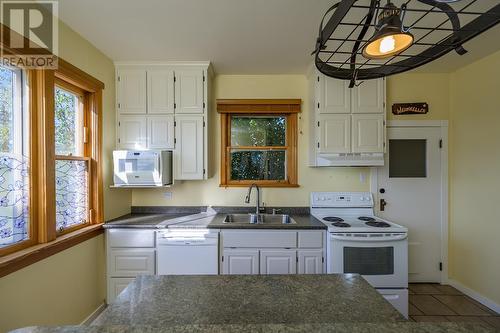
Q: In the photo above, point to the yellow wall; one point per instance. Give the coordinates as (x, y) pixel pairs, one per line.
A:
(474, 167)
(310, 179)
(433, 89)
(67, 287)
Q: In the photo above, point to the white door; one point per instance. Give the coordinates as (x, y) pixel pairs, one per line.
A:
(189, 91)
(368, 133)
(335, 95)
(334, 133)
(410, 184)
(240, 262)
(161, 132)
(278, 262)
(160, 91)
(132, 131)
(310, 261)
(189, 147)
(369, 97)
(131, 91)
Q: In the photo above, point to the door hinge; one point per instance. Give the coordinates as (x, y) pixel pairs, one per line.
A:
(175, 140)
(322, 259)
(222, 258)
(119, 140)
(203, 78)
(175, 79)
(297, 259)
(318, 105)
(175, 105)
(118, 79)
(175, 123)
(318, 144)
(203, 104)
(119, 123)
(318, 123)
(204, 171)
(119, 105)
(318, 78)
(441, 266)
(203, 123)
(440, 143)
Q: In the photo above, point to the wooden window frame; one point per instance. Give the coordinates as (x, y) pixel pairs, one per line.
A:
(44, 240)
(288, 108)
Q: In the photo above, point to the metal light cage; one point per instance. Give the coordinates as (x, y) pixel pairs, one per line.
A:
(438, 27)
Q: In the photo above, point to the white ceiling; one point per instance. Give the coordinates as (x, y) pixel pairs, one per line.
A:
(237, 36)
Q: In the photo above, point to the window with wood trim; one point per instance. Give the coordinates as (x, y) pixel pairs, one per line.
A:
(259, 142)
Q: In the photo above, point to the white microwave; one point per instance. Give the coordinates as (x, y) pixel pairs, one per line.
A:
(142, 167)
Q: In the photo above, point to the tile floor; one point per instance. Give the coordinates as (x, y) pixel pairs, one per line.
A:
(438, 303)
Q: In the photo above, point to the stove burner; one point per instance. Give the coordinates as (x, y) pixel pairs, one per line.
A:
(341, 224)
(333, 219)
(366, 219)
(378, 224)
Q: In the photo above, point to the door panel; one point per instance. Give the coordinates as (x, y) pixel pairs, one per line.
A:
(278, 262)
(310, 261)
(132, 132)
(161, 132)
(131, 91)
(131, 262)
(335, 95)
(413, 195)
(240, 262)
(160, 92)
(189, 147)
(335, 134)
(189, 91)
(368, 133)
(369, 97)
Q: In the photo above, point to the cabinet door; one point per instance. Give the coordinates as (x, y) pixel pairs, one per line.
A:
(116, 286)
(335, 95)
(240, 261)
(368, 133)
(278, 262)
(160, 91)
(189, 147)
(369, 97)
(189, 91)
(131, 262)
(131, 91)
(132, 132)
(334, 134)
(310, 261)
(161, 132)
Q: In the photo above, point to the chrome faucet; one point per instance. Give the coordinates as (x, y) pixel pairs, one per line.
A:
(247, 198)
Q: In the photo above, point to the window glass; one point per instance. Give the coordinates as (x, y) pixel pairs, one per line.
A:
(407, 158)
(258, 164)
(14, 162)
(258, 131)
(71, 193)
(68, 123)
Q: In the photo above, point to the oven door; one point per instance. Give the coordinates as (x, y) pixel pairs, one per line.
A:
(381, 259)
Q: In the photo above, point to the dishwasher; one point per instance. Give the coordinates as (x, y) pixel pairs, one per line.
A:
(187, 252)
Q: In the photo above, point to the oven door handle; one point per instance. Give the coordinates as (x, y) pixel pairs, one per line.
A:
(369, 239)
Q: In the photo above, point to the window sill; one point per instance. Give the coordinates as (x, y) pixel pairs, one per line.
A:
(20, 259)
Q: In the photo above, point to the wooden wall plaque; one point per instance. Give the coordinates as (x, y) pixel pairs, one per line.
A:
(410, 108)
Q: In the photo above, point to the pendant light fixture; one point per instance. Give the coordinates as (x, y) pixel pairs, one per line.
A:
(390, 36)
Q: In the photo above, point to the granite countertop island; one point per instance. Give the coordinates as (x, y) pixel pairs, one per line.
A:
(254, 303)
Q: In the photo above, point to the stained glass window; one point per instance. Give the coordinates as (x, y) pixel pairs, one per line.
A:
(14, 162)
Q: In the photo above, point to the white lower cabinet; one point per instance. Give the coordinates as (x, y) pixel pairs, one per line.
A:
(116, 286)
(278, 262)
(272, 252)
(131, 262)
(310, 262)
(240, 262)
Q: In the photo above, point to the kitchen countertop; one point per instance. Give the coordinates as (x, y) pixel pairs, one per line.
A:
(248, 299)
(274, 328)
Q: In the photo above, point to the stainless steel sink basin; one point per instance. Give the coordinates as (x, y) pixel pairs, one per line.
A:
(259, 219)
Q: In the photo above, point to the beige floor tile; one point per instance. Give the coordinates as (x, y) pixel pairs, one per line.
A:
(430, 306)
(413, 311)
(435, 319)
(462, 305)
(424, 288)
(447, 290)
(481, 306)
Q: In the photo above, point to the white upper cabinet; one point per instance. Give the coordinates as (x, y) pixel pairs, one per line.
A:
(189, 148)
(131, 91)
(132, 132)
(160, 91)
(335, 133)
(161, 132)
(369, 97)
(335, 96)
(368, 133)
(189, 92)
(278, 262)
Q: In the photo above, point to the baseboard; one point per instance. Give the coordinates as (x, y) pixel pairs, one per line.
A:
(475, 295)
(94, 314)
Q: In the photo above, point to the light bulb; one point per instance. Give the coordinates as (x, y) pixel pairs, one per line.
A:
(387, 44)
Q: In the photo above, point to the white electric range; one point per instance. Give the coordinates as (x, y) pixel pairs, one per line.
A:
(360, 242)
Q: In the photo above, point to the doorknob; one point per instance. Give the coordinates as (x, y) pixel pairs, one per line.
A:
(383, 203)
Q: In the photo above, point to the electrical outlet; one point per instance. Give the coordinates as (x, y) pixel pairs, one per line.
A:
(167, 195)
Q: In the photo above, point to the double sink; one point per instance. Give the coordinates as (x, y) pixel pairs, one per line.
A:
(271, 219)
